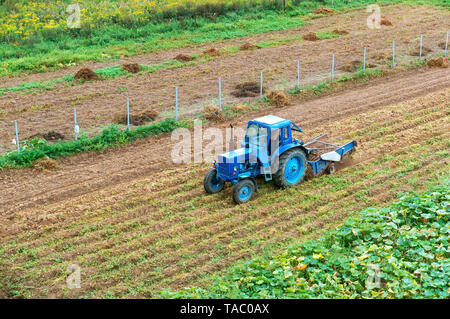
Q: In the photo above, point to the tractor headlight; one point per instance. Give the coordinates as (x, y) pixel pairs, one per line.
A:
(235, 168)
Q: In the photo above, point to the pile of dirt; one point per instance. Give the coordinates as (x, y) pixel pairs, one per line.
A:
(425, 50)
(239, 108)
(247, 89)
(49, 136)
(247, 46)
(212, 52)
(311, 36)
(385, 21)
(86, 74)
(131, 67)
(324, 10)
(277, 98)
(439, 62)
(137, 119)
(352, 66)
(213, 113)
(183, 58)
(45, 164)
(341, 32)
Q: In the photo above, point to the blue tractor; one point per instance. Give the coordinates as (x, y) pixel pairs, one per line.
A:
(270, 150)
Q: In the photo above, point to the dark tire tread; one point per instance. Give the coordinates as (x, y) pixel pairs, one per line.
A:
(206, 182)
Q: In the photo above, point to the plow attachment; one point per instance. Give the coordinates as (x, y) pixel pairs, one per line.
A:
(323, 155)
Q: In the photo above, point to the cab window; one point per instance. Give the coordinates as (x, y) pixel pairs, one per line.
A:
(256, 134)
(252, 131)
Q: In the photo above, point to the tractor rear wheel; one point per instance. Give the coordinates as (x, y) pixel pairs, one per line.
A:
(211, 183)
(243, 191)
(292, 169)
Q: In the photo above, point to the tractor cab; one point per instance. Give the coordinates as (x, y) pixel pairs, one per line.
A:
(269, 132)
(264, 138)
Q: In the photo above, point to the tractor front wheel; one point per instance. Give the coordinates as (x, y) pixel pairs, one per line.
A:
(243, 191)
(211, 183)
(292, 169)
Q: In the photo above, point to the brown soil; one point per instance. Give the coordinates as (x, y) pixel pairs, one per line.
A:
(212, 52)
(132, 67)
(352, 66)
(137, 119)
(183, 58)
(311, 36)
(86, 74)
(213, 113)
(341, 32)
(425, 51)
(248, 46)
(324, 10)
(49, 136)
(381, 56)
(439, 62)
(45, 164)
(248, 89)
(278, 99)
(386, 22)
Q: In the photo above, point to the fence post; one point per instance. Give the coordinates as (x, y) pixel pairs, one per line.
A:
(364, 61)
(261, 86)
(332, 69)
(446, 44)
(420, 53)
(128, 113)
(298, 74)
(220, 93)
(393, 53)
(176, 103)
(17, 137)
(76, 127)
